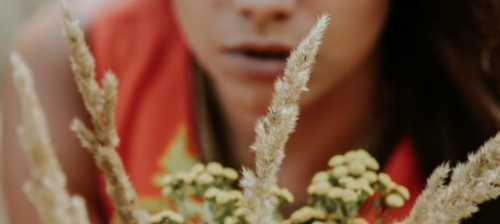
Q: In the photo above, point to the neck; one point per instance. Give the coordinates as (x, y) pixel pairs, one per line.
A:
(330, 125)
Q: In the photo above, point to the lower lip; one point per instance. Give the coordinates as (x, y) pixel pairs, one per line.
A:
(256, 68)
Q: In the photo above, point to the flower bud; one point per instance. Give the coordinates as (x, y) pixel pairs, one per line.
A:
(345, 180)
(230, 220)
(223, 198)
(335, 193)
(349, 196)
(353, 185)
(187, 178)
(205, 179)
(240, 212)
(360, 221)
(198, 168)
(394, 201)
(211, 193)
(230, 174)
(403, 191)
(371, 163)
(370, 176)
(214, 168)
(356, 168)
(368, 190)
(322, 188)
(386, 181)
(166, 191)
(357, 155)
(340, 171)
(285, 194)
(177, 218)
(235, 195)
(321, 177)
(166, 180)
(336, 161)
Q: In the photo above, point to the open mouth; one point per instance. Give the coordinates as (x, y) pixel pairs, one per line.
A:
(259, 61)
(265, 54)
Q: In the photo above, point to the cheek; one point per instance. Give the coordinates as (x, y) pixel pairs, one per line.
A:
(196, 19)
(356, 26)
(351, 40)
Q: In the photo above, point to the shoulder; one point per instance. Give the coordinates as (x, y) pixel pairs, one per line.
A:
(41, 41)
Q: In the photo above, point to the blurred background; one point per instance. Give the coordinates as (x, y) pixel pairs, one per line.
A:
(13, 15)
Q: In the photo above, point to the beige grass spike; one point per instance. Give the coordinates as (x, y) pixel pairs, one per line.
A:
(272, 131)
(472, 183)
(46, 188)
(100, 103)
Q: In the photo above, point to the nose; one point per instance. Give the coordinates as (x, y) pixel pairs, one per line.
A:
(266, 10)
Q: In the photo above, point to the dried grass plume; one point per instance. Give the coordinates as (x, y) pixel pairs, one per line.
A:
(103, 139)
(273, 130)
(47, 187)
(470, 184)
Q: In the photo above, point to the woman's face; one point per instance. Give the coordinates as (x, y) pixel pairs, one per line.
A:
(243, 44)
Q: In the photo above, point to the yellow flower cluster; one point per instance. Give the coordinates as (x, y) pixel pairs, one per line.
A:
(336, 195)
(198, 180)
(214, 185)
(341, 190)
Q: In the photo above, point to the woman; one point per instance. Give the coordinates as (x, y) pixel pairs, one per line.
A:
(411, 81)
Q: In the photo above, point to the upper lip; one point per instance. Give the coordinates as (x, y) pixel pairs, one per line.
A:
(273, 49)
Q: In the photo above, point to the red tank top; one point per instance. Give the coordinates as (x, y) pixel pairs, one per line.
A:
(140, 41)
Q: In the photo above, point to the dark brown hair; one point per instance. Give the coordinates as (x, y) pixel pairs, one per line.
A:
(442, 74)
